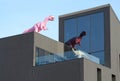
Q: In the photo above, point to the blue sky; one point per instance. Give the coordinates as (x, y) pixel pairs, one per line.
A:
(18, 15)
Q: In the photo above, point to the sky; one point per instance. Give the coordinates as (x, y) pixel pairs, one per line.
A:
(19, 15)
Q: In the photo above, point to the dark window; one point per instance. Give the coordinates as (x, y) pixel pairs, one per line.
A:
(119, 62)
(113, 77)
(99, 74)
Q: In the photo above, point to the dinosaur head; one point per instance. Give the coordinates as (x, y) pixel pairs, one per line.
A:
(51, 18)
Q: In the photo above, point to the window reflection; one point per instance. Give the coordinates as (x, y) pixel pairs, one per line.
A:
(45, 57)
(93, 24)
(84, 25)
(70, 29)
(97, 32)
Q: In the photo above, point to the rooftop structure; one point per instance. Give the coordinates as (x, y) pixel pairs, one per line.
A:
(34, 57)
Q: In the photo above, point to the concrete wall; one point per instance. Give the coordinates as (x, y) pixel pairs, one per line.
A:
(90, 71)
(48, 44)
(16, 54)
(71, 70)
(115, 42)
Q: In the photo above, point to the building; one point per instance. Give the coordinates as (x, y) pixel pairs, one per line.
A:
(34, 57)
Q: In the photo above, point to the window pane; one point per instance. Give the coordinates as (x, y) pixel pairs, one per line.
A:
(100, 55)
(84, 25)
(69, 29)
(45, 57)
(93, 24)
(97, 32)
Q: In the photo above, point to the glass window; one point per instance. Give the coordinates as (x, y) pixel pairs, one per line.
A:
(84, 25)
(97, 32)
(45, 57)
(93, 24)
(70, 28)
(100, 55)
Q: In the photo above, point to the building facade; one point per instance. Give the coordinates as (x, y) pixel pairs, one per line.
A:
(102, 39)
(34, 57)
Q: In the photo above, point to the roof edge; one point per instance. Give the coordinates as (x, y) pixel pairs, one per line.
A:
(85, 10)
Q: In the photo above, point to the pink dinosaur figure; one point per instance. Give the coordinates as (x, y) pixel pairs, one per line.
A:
(40, 25)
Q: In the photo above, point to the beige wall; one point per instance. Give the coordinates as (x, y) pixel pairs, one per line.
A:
(115, 43)
(90, 71)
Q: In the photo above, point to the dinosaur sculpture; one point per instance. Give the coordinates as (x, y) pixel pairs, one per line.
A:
(40, 25)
